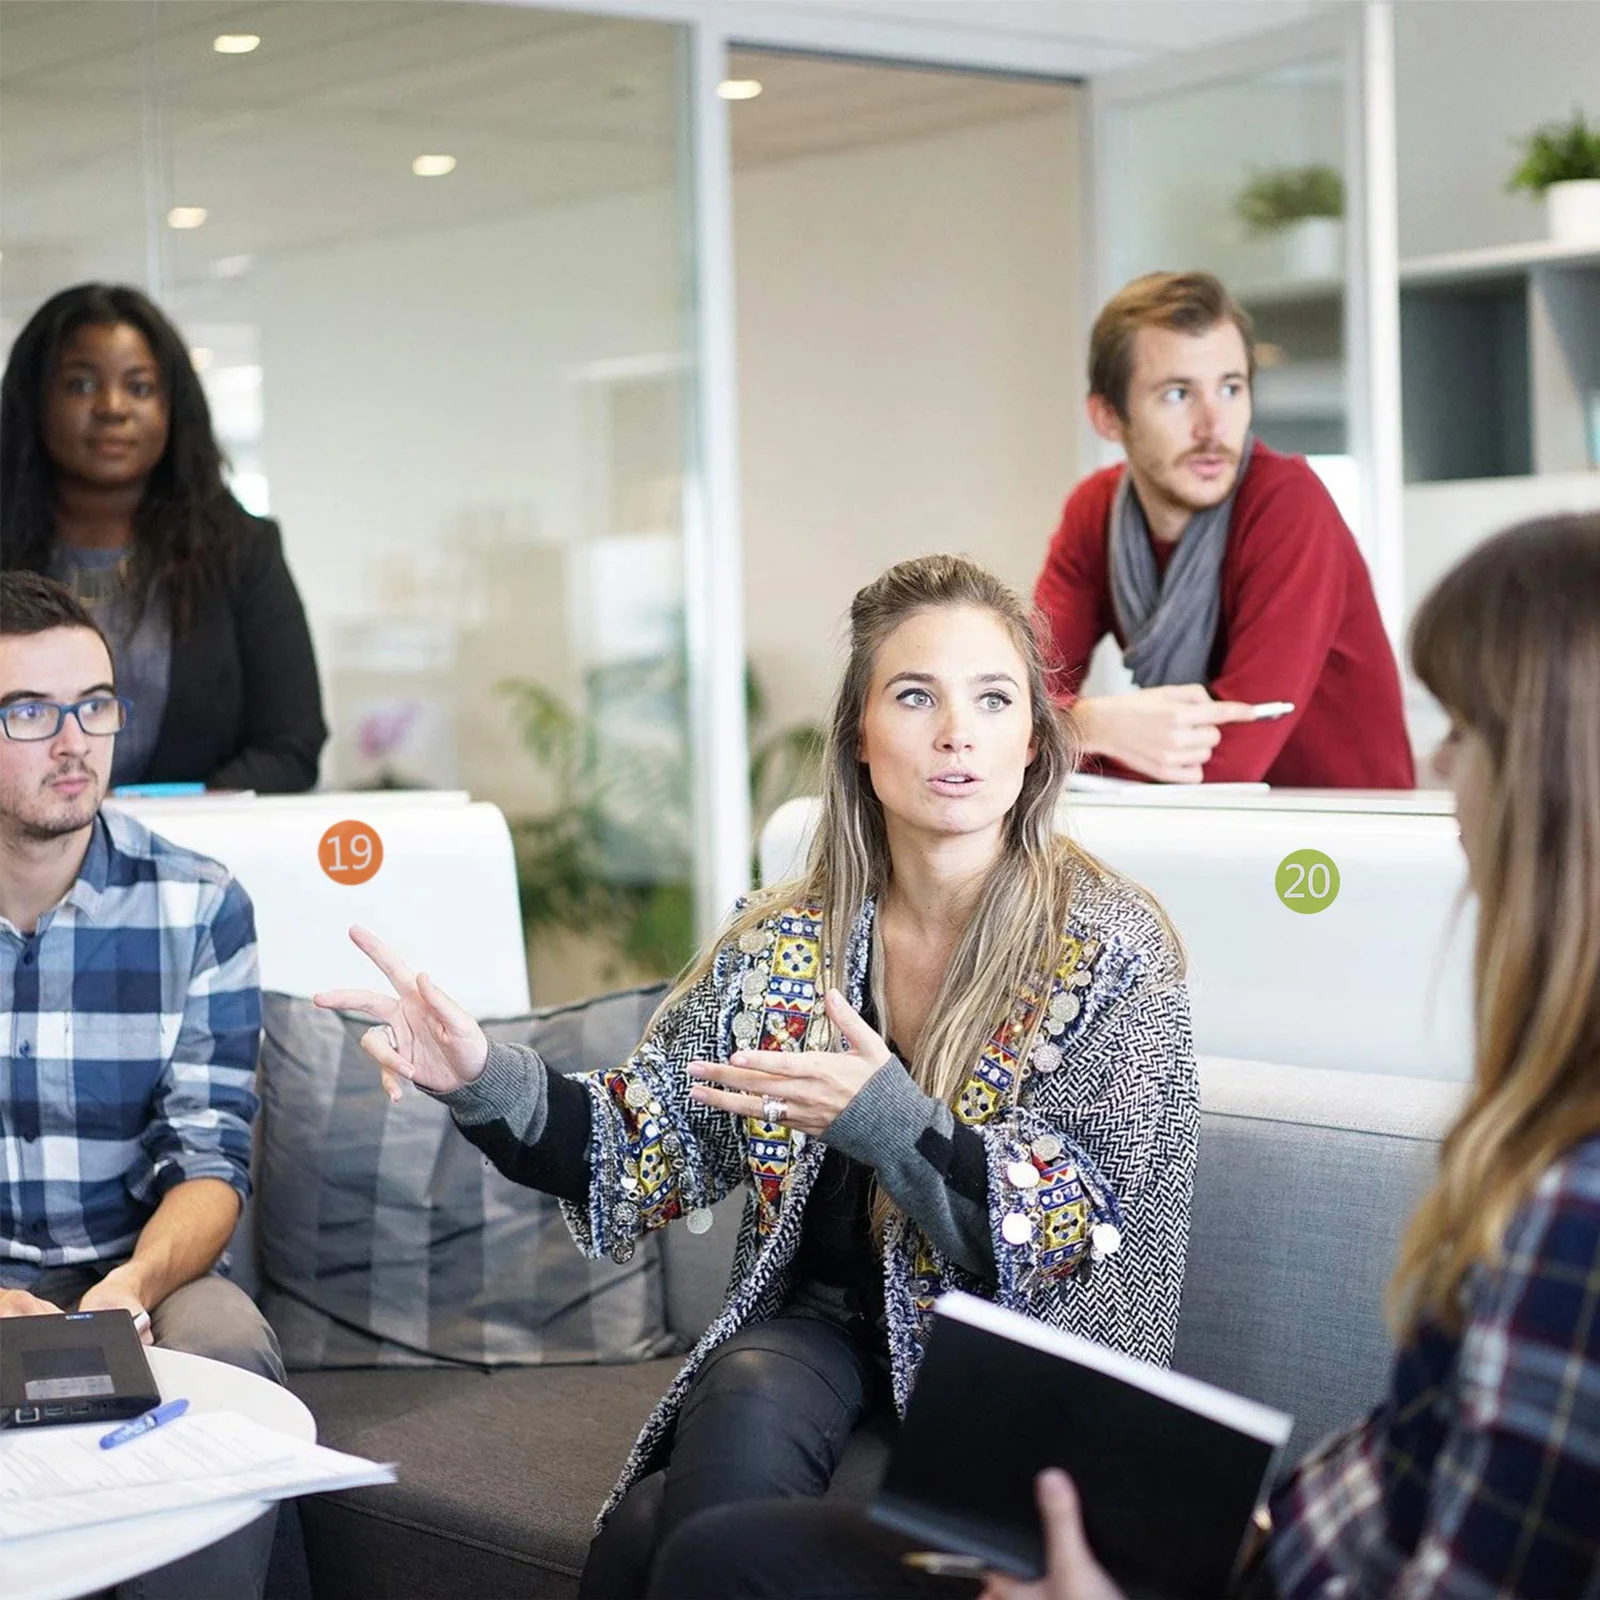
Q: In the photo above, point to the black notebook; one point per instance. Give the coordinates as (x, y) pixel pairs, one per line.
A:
(1169, 1470)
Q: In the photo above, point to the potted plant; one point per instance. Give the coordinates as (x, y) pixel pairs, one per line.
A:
(1561, 161)
(1306, 206)
(610, 861)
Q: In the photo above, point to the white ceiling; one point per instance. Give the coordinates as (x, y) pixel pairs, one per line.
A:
(1139, 25)
(310, 138)
(113, 110)
(812, 104)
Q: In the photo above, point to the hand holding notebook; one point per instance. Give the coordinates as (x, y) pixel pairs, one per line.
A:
(1168, 1470)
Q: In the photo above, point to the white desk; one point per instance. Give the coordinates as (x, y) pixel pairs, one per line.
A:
(57, 1566)
(445, 894)
(1380, 982)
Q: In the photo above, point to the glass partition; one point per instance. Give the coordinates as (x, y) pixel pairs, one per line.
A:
(1245, 178)
(432, 262)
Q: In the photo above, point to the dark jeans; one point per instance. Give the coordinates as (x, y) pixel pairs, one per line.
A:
(209, 1317)
(767, 1416)
(797, 1549)
(816, 1550)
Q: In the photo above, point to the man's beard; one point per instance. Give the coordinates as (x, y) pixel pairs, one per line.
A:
(1221, 489)
(75, 814)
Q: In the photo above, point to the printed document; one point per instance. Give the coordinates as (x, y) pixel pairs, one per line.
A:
(60, 1477)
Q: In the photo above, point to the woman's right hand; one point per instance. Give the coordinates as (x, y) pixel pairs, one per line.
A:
(1071, 1571)
(421, 1033)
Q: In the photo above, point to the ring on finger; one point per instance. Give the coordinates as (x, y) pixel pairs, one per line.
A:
(773, 1109)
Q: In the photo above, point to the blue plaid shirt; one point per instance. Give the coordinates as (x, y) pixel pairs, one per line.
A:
(129, 1023)
(1480, 1475)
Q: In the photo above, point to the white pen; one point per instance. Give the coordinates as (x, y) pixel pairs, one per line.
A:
(1269, 709)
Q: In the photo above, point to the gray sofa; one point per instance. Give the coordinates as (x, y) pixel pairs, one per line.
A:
(1306, 1177)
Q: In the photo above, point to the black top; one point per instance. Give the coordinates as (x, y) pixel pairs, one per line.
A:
(244, 707)
(838, 1254)
(838, 1268)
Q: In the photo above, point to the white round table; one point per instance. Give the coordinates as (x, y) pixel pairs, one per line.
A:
(57, 1566)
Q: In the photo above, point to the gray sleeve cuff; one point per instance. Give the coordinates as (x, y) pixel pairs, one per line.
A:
(886, 1117)
(898, 1131)
(512, 1088)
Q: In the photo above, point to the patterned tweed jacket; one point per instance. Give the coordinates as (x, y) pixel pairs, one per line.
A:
(1105, 1112)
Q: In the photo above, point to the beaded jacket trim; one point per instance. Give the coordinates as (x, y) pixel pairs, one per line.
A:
(1090, 1126)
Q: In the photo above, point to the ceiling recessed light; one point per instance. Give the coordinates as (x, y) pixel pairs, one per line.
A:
(235, 44)
(230, 266)
(200, 358)
(739, 88)
(433, 166)
(186, 216)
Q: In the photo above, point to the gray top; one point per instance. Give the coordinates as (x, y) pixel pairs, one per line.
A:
(141, 648)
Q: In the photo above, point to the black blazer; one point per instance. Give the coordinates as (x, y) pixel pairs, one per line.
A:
(244, 707)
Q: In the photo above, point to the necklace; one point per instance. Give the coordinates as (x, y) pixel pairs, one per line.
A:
(97, 586)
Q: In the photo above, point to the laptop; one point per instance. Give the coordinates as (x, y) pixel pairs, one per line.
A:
(84, 1366)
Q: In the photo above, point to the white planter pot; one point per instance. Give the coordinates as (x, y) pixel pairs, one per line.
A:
(1313, 247)
(1574, 211)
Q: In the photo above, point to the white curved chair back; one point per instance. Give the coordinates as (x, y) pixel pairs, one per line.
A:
(1378, 981)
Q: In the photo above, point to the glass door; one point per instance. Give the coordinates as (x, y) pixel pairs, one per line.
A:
(1268, 161)
(434, 264)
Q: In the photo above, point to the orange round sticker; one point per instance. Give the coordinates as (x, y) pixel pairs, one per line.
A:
(350, 852)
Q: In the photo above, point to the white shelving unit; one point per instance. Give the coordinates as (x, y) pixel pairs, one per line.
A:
(1500, 362)
(1467, 266)
(1499, 359)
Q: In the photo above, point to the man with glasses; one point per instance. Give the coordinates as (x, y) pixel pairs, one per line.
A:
(130, 1015)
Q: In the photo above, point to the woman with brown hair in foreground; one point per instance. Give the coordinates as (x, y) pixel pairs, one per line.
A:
(1479, 1474)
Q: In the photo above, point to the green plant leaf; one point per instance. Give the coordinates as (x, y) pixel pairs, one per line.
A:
(1558, 152)
(548, 729)
(1272, 200)
(613, 858)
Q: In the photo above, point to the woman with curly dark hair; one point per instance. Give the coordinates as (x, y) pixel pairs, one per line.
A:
(111, 481)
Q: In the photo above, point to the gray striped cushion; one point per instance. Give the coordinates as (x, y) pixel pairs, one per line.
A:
(387, 1240)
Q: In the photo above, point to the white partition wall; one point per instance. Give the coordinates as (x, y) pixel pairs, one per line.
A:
(445, 895)
(1379, 981)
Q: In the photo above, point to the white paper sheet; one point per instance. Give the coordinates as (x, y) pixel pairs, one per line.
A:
(58, 1479)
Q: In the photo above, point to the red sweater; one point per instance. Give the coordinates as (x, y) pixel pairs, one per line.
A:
(1299, 622)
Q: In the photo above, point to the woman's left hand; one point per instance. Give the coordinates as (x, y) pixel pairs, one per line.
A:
(814, 1086)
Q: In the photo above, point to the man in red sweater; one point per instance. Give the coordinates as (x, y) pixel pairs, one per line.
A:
(1223, 569)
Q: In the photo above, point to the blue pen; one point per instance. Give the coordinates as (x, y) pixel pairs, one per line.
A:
(144, 1424)
(155, 791)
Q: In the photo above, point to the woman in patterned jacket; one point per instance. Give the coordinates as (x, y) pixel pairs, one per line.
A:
(956, 1053)
(1478, 1474)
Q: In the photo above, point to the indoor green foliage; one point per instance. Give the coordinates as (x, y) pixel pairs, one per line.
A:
(1559, 152)
(1272, 200)
(613, 855)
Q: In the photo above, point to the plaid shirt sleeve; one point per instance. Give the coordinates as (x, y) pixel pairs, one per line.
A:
(206, 1101)
(1486, 1481)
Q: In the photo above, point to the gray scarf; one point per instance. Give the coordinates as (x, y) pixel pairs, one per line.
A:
(1170, 622)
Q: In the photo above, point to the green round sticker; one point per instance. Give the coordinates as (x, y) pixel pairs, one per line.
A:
(1307, 881)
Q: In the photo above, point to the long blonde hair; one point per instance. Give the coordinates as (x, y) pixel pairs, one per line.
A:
(1022, 907)
(1509, 643)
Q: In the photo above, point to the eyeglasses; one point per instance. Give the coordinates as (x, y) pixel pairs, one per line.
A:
(100, 715)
